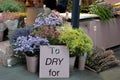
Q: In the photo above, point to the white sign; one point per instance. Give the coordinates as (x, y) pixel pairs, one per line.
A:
(54, 62)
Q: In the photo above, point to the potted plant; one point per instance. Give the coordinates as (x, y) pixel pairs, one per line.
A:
(50, 33)
(103, 9)
(48, 18)
(18, 33)
(29, 46)
(11, 6)
(10, 12)
(78, 43)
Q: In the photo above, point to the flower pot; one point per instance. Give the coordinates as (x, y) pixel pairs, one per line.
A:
(32, 63)
(72, 62)
(2, 28)
(82, 60)
(1, 35)
(11, 25)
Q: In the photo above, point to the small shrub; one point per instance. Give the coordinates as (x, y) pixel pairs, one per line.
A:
(11, 6)
(77, 41)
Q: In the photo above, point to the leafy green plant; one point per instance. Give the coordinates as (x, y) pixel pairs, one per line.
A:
(11, 6)
(103, 12)
(69, 7)
(101, 60)
(77, 41)
(84, 9)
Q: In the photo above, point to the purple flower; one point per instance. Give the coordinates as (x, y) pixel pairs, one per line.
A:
(53, 19)
(29, 44)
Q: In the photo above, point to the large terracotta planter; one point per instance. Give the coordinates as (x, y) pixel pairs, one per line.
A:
(82, 60)
(32, 63)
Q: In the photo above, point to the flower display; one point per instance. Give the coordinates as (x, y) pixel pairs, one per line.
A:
(50, 33)
(29, 44)
(20, 32)
(53, 19)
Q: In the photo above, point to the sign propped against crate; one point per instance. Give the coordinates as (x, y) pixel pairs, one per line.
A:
(54, 62)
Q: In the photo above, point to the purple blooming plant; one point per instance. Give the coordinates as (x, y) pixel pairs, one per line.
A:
(29, 45)
(53, 19)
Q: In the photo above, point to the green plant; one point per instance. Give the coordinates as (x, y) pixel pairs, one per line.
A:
(69, 7)
(84, 9)
(11, 6)
(103, 12)
(101, 60)
(77, 41)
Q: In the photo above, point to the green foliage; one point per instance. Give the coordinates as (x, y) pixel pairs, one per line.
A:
(101, 60)
(11, 6)
(77, 41)
(103, 12)
(98, 1)
(84, 9)
(69, 7)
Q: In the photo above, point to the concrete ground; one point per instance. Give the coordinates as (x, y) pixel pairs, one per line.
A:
(19, 72)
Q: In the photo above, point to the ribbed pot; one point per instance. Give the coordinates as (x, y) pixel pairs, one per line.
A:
(32, 63)
(82, 60)
(72, 62)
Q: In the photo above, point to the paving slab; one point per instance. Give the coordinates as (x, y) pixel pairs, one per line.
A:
(19, 72)
(111, 74)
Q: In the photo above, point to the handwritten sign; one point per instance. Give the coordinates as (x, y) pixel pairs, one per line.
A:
(54, 62)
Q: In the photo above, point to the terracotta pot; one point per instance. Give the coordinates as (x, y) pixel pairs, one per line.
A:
(32, 63)
(82, 60)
